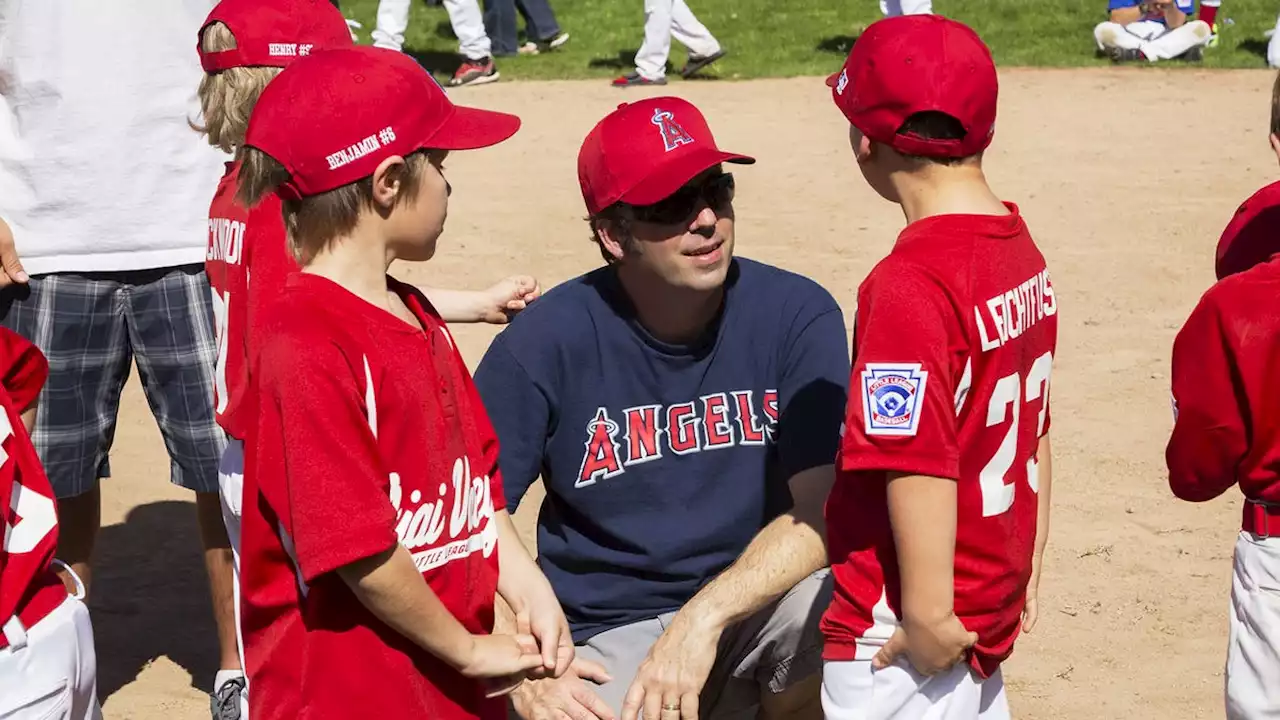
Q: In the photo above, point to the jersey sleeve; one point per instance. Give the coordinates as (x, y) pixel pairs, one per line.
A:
(1208, 440)
(327, 485)
(813, 389)
(519, 411)
(23, 369)
(901, 415)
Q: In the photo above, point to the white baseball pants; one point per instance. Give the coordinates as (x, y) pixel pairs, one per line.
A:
(1154, 39)
(231, 493)
(854, 690)
(894, 8)
(662, 20)
(1273, 47)
(50, 670)
(464, 16)
(1253, 636)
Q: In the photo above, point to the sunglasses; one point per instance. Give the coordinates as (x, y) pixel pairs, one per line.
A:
(716, 191)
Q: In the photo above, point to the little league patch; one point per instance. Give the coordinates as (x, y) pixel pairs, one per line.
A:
(891, 397)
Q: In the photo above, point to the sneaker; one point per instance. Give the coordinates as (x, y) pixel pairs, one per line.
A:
(533, 48)
(1119, 55)
(1195, 54)
(224, 703)
(475, 72)
(636, 79)
(696, 63)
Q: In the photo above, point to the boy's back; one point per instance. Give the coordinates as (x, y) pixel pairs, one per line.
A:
(971, 407)
(935, 525)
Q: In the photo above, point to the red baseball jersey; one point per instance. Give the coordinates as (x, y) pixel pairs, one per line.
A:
(243, 243)
(369, 432)
(1226, 391)
(953, 339)
(28, 587)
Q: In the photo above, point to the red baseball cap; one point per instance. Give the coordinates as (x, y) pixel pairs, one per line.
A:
(642, 152)
(273, 33)
(1252, 236)
(909, 64)
(330, 118)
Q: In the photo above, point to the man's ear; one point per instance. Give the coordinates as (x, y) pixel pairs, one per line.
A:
(606, 233)
(1275, 145)
(388, 181)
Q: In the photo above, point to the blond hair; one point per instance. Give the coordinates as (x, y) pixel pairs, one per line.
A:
(1275, 106)
(314, 222)
(227, 97)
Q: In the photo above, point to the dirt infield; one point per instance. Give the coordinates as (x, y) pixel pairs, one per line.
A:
(1125, 191)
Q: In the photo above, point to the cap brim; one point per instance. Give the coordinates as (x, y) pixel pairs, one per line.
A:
(670, 177)
(833, 79)
(472, 128)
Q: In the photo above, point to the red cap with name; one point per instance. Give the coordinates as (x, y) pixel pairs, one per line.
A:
(273, 33)
(332, 117)
(644, 151)
(910, 64)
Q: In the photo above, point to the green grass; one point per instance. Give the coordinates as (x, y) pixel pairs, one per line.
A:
(783, 38)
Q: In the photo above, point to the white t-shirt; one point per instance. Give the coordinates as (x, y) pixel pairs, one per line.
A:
(99, 170)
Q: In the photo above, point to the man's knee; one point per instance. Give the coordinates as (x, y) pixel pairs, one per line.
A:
(787, 649)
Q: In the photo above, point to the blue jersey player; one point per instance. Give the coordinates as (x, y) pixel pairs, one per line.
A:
(1152, 30)
(683, 409)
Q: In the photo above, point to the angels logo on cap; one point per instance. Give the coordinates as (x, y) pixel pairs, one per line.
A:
(673, 136)
(620, 160)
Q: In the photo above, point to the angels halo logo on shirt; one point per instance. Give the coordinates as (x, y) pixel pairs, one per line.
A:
(891, 397)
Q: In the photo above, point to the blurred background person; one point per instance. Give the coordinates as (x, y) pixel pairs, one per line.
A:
(541, 30)
(662, 20)
(894, 8)
(468, 25)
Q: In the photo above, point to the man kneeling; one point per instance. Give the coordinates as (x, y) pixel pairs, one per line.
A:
(683, 408)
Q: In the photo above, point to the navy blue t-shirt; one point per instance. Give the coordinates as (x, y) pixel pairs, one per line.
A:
(661, 462)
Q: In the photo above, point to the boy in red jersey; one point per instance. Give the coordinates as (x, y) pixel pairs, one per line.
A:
(1227, 431)
(939, 515)
(243, 44)
(374, 522)
(47, 661)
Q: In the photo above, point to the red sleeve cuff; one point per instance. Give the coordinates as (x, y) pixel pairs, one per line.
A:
(947, 467)
(349, 545)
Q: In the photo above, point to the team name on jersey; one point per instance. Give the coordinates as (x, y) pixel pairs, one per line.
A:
(354, 152)
(1015, 311)
(289, 49)
(649, 432)
(226, 240)
(422, 521)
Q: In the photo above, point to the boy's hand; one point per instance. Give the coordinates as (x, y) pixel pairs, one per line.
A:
(11, 271)
(508, 297)
(501, 656)
(930, 647)
(1030, 609)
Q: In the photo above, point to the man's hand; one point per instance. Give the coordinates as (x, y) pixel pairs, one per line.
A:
(670, 679)
(564, 697)
(11, 271)
(930, 647)
(507, 297)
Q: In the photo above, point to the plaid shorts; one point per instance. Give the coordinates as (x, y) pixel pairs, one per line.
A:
(92, 326)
